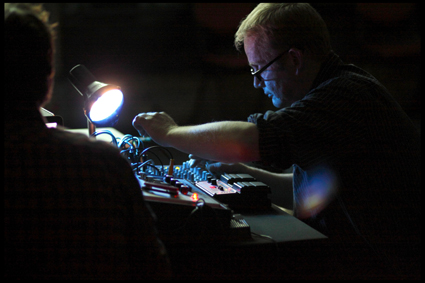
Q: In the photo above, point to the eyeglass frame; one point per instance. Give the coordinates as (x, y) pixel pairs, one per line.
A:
(257, 73)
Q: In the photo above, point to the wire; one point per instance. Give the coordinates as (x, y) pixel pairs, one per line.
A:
(162, 149)
(123, 139)
(159, 147)
(114, 140)
(159, 159)
(131, 146)
(146, 163)
(133, 149)
(200, 208)
(264, 236)
(182, 224)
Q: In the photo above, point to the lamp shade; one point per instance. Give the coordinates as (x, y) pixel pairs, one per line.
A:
(102, 102)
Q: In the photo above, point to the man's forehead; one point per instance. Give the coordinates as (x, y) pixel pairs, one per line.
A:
(257, 49)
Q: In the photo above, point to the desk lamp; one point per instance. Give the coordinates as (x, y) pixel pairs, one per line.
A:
(102, 102)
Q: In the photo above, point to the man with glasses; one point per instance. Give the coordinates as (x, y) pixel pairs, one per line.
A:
(355, 154)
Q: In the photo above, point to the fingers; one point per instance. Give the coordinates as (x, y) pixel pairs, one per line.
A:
(200, 160)
(138, 126)
(191, 156)
(141, 119)
(214, 167)
(196, 161)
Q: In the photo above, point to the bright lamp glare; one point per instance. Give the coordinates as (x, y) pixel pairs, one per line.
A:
(106, 105)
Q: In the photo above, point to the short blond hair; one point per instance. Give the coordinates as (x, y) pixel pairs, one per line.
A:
(287, 25)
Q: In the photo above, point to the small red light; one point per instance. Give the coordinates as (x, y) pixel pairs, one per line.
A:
(195, 197)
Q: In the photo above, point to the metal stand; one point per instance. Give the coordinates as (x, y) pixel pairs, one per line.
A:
(90, 125)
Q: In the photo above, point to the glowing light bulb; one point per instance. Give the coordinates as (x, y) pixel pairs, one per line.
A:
(106, 105)
(195, 197)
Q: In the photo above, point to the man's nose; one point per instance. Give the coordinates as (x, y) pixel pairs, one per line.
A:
(257, 82)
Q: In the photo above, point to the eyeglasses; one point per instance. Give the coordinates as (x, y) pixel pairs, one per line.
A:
(257, 74)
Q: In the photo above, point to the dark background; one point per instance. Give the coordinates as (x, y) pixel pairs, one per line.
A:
(179, 58)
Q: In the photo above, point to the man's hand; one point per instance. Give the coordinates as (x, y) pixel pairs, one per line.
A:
(155, 124)
(216, 168)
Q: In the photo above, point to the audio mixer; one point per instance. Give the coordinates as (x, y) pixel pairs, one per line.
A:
(190, 203)
(175, 197)
(185, 213)
(237, 191)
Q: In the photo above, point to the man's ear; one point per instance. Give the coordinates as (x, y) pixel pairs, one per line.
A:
(297, 58)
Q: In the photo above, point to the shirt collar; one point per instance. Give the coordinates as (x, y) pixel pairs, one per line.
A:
(327, 69)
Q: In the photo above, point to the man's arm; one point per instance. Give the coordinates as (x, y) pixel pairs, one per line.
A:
(222, 141)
